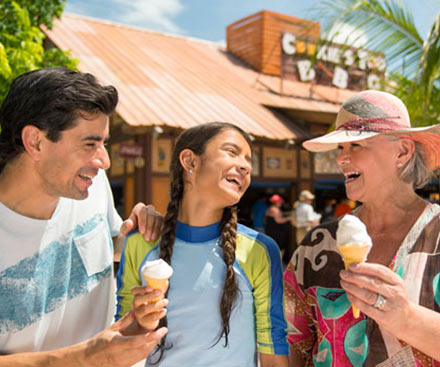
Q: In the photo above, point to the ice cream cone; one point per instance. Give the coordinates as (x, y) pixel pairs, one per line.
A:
(353, 254)
(156, 274)
(156, 284)
(353, 243)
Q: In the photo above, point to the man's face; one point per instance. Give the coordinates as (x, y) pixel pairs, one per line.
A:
(66, 167)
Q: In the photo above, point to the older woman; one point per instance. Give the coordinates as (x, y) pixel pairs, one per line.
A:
(397, 290)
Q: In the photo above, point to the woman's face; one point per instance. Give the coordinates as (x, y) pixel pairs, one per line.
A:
(223, 173)
(369, 167)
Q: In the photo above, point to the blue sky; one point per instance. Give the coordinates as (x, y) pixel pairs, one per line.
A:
(207, 19)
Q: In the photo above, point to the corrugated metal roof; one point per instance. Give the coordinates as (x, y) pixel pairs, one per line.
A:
(181, 82)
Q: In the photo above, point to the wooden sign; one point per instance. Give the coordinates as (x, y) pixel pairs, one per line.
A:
(302, 59)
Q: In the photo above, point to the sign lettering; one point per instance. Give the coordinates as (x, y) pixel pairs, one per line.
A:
(131, 151)
(335, 64)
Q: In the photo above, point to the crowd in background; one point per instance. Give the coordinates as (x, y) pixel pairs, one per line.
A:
(287, 223)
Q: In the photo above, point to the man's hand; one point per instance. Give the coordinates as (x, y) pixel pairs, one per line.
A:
(146, 219)
(111, 348)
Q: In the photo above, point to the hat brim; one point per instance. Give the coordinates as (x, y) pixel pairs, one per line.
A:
(331, 140)
(307, 197)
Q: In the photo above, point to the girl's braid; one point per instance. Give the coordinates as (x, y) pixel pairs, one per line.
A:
(228, 230)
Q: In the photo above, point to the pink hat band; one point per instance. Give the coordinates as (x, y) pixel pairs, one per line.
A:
(378, 124)
(369, 113)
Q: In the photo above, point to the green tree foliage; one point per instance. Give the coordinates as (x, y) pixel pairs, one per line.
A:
(21, 39)
(413, 62)
(42, 12)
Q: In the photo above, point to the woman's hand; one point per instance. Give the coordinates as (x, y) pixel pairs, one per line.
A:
(149, 306)
(365, 282)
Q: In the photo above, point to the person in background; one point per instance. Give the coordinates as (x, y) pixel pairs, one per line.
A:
(258, 212)
(306, 217)
(57, 223)
(329, 211)
(276, 225)
(342, 208)
(226, 292)
(397, 290)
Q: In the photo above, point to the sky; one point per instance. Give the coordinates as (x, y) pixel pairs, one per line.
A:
(207, 19)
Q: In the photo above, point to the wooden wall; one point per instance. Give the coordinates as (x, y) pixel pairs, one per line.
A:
(256, 39)
(243, 39)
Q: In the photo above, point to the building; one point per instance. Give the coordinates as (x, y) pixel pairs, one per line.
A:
(264, 81)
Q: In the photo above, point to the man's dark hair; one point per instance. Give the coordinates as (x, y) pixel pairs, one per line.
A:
(51, 99)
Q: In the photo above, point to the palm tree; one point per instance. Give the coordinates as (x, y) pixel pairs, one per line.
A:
(413, 63)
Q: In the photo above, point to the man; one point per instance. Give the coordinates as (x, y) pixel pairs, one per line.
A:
(258, 212)
(56, 228)
(306, 217)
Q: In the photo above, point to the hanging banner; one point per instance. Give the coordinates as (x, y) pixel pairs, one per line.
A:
(131, 150)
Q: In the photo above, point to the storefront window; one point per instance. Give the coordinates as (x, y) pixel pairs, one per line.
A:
(326, 162)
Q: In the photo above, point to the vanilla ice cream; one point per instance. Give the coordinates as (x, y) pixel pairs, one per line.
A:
(157, 269)
(351, 231)
(353, 243)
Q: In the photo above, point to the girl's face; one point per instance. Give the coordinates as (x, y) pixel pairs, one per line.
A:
(222, 173)
(368, 167)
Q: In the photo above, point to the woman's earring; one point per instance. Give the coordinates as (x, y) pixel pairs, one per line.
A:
(190, 171)
(399, 165)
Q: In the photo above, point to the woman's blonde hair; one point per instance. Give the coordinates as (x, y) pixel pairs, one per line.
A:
(415, 171)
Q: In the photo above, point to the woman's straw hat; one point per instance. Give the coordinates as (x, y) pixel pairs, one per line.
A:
(306, 195)
(371, 112)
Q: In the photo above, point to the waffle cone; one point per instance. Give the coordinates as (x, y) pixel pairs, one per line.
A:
(353, 254)
(156, 284)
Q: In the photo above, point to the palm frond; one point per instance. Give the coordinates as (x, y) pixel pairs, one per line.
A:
(389, 26)
(429, 66)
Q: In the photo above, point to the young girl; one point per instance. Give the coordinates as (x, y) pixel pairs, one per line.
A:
(226, 292)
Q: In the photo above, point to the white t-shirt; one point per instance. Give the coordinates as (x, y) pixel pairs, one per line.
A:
(56, 276)
(305, 214)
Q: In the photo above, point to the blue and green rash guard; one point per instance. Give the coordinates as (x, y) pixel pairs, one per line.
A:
(257, 322)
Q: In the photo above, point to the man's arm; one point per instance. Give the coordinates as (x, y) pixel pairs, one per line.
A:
(109, 348)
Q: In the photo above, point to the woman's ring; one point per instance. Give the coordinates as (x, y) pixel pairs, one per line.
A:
(380, 302)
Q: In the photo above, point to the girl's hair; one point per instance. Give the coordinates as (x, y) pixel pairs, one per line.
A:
(196, 139)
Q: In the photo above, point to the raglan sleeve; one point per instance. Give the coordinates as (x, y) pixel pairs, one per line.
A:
(267, 282)
(134, 251)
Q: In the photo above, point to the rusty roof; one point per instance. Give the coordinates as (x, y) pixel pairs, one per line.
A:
(179, 82)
